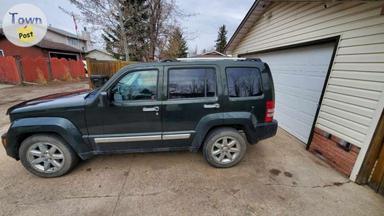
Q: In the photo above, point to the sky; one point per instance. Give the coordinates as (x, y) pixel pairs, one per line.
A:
(200, 29)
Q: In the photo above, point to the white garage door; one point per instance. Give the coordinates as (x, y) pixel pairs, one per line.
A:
(299, 75)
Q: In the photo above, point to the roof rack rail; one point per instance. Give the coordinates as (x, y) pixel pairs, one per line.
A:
(169, 60)
(252, 59)
(210, 59)
(218, 58)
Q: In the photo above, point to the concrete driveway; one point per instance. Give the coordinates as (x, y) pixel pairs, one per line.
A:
(277, 177)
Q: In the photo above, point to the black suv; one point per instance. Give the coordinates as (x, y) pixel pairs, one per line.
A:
(214, 105)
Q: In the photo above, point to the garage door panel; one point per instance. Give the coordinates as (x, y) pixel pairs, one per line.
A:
(286, 112)
(301, 81)
(293, 126)
(307, 95)
(299, 75)
(296, 104)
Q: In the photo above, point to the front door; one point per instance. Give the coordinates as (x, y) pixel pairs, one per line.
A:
(191, 94)
(133, 120)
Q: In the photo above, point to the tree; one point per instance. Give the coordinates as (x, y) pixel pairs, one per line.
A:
(100, 13)
(132, 29)
(176, 46)
(221, 40)
(128, 38)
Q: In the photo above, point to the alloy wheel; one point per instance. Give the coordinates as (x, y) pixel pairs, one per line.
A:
(225, 150)
(45, 157)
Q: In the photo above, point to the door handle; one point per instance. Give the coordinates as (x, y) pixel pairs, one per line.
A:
(151, 109)
(212, 106)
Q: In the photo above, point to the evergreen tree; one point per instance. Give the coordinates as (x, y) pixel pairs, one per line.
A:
(221, 40)
(130, 31)
(177, 45)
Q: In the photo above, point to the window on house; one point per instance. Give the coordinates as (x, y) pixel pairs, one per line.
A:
(243, 82)
(67, 56)
(1, 52)
(191, 83)
(73, 42)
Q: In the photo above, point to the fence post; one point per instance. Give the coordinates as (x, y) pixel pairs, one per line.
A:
(20, 69)
(89, 71)
(50, 77)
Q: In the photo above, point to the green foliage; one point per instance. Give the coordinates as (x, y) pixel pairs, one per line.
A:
(134, 16)
(221, 40)
(177, 45)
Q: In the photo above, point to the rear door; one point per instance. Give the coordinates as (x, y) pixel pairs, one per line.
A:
(190, 94)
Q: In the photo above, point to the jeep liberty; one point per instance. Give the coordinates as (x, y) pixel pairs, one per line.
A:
(217, 106)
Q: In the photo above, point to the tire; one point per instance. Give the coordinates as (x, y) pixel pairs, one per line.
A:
(222, 154)
(51, 155)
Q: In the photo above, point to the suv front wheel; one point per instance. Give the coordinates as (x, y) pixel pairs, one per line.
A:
(224, 147)
(47, 155)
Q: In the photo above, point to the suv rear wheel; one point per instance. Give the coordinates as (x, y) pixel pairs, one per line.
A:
(47, 156)
(224, 147)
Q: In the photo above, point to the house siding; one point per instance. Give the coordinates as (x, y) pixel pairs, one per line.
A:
(355, 87)
(353, 99)
(10, 49)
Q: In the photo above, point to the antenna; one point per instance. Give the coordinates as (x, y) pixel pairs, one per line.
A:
(70, 13)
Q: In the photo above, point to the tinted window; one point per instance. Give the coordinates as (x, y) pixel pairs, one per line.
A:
(243, 82)
(191, 83)
(140, 85)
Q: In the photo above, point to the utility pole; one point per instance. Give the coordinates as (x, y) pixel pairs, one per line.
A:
(70, 13)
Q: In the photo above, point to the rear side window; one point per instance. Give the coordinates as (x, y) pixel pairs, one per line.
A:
(191, 83)
(243, 82)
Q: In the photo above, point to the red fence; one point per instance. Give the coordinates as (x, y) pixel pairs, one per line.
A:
(35, 69)
(39, 70)
(8, 70)
(63, 69)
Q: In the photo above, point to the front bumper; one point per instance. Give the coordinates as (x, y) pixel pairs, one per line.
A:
(4, 140)
(262, 131)
(12, 152)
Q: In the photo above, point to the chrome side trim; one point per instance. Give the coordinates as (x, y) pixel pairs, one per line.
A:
(127, 139)
(176, 136)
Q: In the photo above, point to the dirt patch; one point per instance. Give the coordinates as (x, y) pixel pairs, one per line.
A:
(288, 174)
(275, 172)
(334, 184)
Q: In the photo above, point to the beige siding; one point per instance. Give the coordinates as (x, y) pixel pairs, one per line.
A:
(356, 83)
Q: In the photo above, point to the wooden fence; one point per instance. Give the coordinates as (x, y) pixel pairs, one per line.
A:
(108, 68)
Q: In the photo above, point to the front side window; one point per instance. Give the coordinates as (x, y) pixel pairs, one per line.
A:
(243, 82)
(1, 52)
(191, 83)
(139, 85)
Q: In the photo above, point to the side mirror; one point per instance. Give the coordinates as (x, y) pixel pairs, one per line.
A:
(104, 99)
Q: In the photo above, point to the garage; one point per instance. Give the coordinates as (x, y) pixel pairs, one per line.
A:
(294, 39)
(299, 75)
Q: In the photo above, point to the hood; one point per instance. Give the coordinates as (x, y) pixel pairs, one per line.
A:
(51, 102)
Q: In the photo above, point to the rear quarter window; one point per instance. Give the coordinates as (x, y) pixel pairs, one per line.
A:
(244, 82)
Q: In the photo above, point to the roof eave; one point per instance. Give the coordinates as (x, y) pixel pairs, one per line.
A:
(247, 23)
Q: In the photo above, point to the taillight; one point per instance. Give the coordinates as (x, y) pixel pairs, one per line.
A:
(270, 110)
